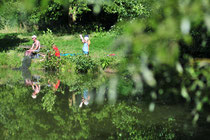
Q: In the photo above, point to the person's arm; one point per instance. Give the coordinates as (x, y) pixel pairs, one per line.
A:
(32, 47)
(32, 86)
(82, 38)
(88, 44)
(39, 87)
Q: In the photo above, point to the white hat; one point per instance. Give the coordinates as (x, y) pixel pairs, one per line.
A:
(33, 96)
(86, 38)
(33, 36)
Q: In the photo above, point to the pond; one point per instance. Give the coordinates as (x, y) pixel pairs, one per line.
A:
(35, 104)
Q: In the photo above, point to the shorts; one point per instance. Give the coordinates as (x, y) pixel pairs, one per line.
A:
(36, 51)
(84, 52)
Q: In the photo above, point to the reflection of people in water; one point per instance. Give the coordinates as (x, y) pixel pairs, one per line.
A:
(55, 86)
(28, 82)
(85, 98)
(36, 89)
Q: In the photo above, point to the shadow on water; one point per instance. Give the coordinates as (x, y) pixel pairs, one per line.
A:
(26, 62)
(10, 41)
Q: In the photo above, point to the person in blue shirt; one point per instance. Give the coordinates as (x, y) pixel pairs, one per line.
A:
(86, 45)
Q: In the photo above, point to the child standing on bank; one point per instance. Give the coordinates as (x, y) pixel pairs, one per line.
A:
(86, 45)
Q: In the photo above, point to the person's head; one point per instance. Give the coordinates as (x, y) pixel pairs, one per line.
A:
(34, 37)
(86, 37)
(33, 95)
(86, 102)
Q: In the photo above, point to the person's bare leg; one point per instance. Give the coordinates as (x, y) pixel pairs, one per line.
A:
(28, 53)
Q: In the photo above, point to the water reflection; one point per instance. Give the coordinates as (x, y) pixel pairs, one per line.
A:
(55, 86)
(85, 98)
(36, 89)
(32, 81)
(77, 107)
(80, 100)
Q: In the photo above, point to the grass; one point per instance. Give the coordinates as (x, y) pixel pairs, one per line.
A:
(101, 45)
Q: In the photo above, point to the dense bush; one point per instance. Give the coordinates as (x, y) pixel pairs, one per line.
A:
(128, 9)
(12, 14)
(52, 62)
(71, 15)
(106, 61)
(84, 64)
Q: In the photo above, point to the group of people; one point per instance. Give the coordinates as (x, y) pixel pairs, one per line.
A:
(36, 87)
(36, 46)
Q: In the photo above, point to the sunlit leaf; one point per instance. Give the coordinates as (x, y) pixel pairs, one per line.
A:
(195, 119)
(112, 93)
(97, 9)
(184, 93)
(152, 107)
(153, 95)
(208, 118)
(100, 96)
(185, 26)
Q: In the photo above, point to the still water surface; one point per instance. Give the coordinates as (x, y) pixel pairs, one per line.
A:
(38, 105)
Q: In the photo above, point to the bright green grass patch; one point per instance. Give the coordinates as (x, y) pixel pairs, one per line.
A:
(101, 46)
(10, 59)
(101, 43)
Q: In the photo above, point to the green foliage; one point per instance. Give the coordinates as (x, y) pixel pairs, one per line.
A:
(105, 62)
(47, 40)
(196, 88)
(152, 48)
(127, 9)
(84, 64)
(11, 14)
(52, 62)
(2, 56)
(53, 13)
(13, 60)
(58, 14)
(48, 100)
(111, 121)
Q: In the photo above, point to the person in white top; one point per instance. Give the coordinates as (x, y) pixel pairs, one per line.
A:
(35, 46)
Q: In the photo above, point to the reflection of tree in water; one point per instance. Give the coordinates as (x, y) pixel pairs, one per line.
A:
(20, 115)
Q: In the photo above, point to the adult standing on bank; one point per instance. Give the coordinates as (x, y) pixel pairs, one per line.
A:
(86, 45)
(35, 46)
